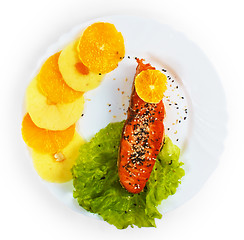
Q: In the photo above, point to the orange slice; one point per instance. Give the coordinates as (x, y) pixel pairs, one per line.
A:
(45, 141)
(52, 84)
(101, 47)
(150, 85)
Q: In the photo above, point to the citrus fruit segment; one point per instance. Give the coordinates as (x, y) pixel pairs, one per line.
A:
(52, 84)
(74, 72)
(101, 47)
(150, 85)
(51, 116)
(56, 167)
(43, 140)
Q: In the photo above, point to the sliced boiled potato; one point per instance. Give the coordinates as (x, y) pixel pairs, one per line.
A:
(56, 168)
(48, 115)
(74, 73)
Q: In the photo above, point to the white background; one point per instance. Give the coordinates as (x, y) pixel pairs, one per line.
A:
(27, 210)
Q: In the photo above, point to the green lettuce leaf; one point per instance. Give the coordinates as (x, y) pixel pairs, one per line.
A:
(97, 186)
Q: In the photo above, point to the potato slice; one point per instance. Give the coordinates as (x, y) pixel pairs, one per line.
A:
(74, 73)
(56, 168)
(48, 115)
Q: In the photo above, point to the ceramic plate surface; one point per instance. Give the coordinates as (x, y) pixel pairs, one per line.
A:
(196, 115)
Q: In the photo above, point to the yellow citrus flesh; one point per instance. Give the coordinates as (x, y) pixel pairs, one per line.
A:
(51, 116)
(52, 84)
(150, 85)
(56, 168)
(43, 140)
(74, 72)
(101, 47)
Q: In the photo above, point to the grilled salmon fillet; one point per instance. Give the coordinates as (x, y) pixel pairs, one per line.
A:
(142, 139)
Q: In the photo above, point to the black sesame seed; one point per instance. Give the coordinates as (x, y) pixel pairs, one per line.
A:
(100, 74)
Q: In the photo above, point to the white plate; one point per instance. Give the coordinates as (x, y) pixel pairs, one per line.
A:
(200, 136)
